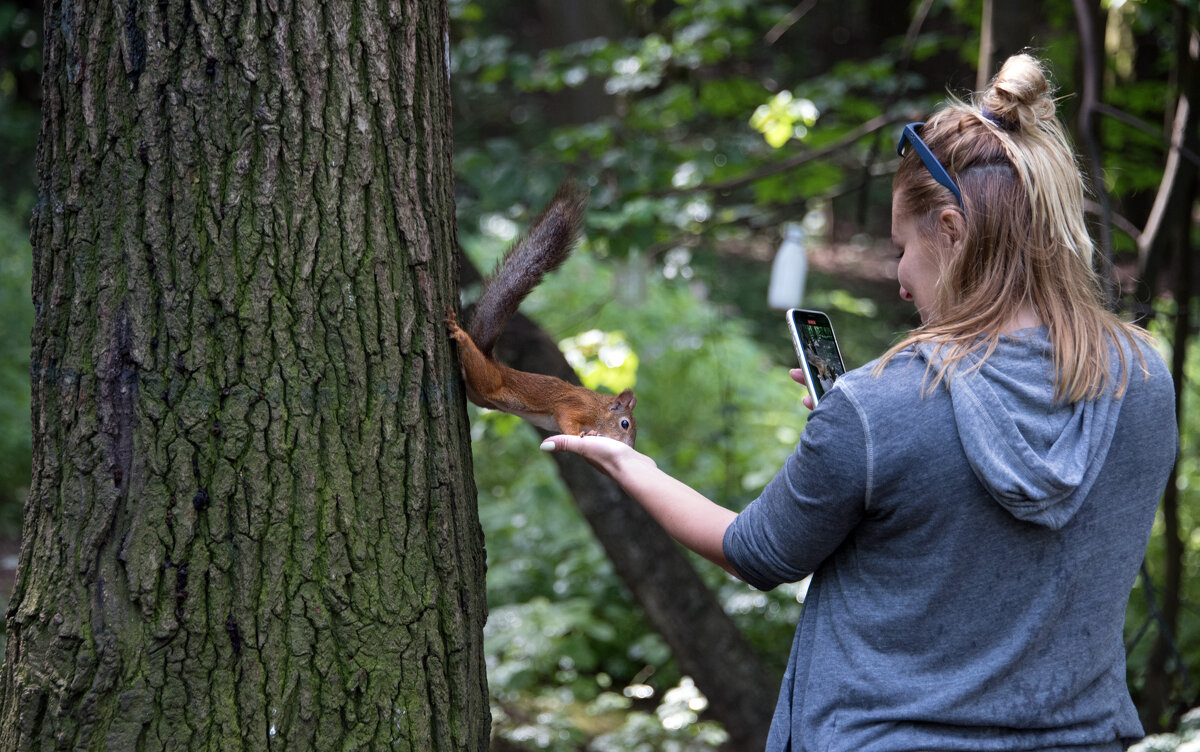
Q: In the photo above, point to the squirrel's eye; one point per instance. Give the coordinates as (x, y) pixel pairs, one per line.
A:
(625, 423)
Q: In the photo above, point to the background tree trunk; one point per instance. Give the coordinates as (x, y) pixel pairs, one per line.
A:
(1014, 26)
(565, 22)
(251, 523)
(1167, 241)
(740, 687)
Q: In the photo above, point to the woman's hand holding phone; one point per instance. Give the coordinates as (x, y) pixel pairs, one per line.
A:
(817, 350)
(797, 375)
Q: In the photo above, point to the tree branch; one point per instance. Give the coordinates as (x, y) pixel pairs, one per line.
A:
(1183, 121)
(1119, 221)
(874, 124)
(788, 21)
(1089, 98)
(983, 69)
(1136, 122)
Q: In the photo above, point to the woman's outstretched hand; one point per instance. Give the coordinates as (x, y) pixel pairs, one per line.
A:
(797, 375)
(686, 515)
(609, 456)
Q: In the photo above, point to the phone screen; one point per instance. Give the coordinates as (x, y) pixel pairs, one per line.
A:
(817, 350)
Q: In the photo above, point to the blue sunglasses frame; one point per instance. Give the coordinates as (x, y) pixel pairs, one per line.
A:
(910, 138)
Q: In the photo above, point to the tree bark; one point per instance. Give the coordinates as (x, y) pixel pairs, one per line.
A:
(251, 523)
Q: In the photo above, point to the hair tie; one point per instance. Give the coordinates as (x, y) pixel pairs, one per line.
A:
(1003, 124)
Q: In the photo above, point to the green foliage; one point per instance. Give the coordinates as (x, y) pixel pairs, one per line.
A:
(683, 96)
(713, 407)
(673, 272)
(16, 322)
(20, 63)
(1135, 156)
(1142, 623)
(612, 722)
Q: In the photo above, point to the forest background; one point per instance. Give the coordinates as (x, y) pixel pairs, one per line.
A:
(703, 128)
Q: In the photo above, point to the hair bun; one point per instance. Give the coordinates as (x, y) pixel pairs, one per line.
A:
(1020, 95)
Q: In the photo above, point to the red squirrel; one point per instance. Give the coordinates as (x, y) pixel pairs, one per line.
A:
(545, 401)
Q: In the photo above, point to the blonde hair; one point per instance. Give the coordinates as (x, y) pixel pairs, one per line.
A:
(1026, 242)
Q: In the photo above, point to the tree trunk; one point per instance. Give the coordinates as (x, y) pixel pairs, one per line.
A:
(1089, 20)
(565, 22)
(251, 523)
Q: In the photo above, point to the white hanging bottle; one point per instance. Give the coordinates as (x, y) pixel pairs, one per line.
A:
(788, 271)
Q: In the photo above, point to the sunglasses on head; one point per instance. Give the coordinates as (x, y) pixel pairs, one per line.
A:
(910, 139)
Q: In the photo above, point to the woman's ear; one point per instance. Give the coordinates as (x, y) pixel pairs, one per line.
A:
(952, 230)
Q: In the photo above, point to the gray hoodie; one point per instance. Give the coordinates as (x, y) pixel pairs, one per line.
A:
(974, 551)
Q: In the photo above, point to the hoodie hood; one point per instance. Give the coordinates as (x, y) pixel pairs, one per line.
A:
(1036, 456)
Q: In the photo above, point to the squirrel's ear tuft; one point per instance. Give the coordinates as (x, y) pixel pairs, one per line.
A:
(624, 401)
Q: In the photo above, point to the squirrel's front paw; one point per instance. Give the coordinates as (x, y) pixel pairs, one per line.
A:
(452, 322)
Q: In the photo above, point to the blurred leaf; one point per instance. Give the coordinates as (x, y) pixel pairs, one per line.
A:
(16, 323)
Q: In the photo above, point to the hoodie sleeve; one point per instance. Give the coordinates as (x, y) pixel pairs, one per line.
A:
(812, 503)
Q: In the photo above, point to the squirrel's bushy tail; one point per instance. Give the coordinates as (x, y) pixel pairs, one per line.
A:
(542, 250)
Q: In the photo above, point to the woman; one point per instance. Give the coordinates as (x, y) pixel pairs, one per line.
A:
(976, 503)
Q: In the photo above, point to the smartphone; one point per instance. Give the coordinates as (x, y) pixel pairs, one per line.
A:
(817, 350)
